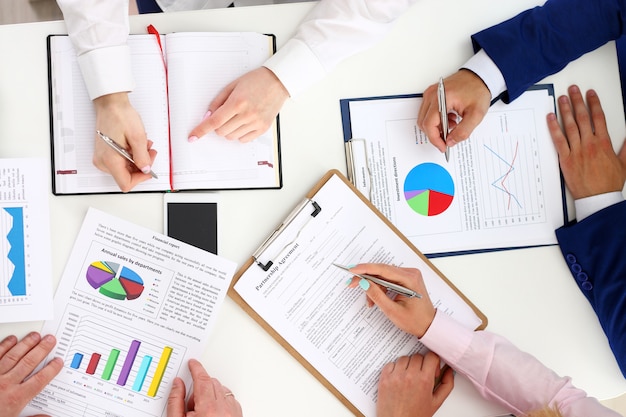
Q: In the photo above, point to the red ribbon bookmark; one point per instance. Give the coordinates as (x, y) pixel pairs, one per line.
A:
(153, 31)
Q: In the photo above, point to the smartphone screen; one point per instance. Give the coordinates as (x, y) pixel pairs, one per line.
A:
(193, 222)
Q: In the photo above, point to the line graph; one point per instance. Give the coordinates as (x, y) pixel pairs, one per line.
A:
(510, 180)
(500, 183)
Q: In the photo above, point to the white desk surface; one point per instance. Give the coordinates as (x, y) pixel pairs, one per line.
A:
(528, 295)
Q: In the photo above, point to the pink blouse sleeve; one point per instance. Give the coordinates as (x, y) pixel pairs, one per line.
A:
(504, 374)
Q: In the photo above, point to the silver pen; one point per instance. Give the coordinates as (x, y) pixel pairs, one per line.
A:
(443, 113)
(113, 144)
(392, 286)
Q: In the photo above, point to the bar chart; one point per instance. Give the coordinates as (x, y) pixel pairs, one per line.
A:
(117, 362)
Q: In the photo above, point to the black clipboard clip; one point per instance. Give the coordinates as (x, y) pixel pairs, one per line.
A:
(288, 221)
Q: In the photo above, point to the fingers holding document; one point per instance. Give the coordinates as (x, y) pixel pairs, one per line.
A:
(18, 358)
(209, 397)
(408, 387)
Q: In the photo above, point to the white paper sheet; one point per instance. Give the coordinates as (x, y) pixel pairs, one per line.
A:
(129, 297)
(25, 276)
(501, 187)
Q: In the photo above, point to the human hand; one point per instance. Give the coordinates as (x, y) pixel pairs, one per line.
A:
(407, 387)
(116, 118)
(17, 360)
(467, 95)
(245, 108)
(413, 315)
(588, 161)
(208, 399)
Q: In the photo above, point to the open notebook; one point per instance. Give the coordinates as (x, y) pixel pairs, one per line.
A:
(171, 103)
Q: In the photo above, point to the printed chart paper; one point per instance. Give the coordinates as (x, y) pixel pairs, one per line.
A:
(132, 308)
(501, 188)
(26, 263)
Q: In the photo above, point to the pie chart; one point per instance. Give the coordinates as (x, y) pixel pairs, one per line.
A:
(114, 282)
(429, 189)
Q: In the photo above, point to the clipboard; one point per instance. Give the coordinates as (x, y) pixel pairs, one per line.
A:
(500, 190)
(304, 213)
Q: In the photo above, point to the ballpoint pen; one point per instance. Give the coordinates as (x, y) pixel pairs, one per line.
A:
(398, 289)
(120, 150)
(443, 113)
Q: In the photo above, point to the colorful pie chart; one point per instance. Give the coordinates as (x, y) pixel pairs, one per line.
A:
(429, 189)
(113, 282)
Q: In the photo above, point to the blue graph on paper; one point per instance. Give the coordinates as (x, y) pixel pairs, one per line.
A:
(12, 233)
(500, 183)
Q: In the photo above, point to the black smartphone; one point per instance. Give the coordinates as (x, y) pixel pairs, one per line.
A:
(191, 218)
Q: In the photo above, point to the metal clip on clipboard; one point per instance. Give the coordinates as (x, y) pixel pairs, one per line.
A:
(284, 225)
(358, 169)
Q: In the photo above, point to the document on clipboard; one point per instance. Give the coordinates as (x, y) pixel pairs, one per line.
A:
(292, 289)
(500, 189)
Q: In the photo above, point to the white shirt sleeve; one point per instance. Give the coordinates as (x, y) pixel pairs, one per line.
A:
(483, 66)
(99, 31)
(587, 206)
(330, 33)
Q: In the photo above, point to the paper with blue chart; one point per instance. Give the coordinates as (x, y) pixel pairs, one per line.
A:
(501, 188)
(133, 306)
(26, 265)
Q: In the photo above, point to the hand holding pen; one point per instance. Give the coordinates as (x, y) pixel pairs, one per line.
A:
(123, 152)
(411, 314)
(117, 119)
(466, 95)
(391, 286)
(128, 175)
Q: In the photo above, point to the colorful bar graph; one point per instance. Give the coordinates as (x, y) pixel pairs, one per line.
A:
(78, 358)
(135, 368)
(160, 370)
(93, 363)
(128, 362)
(141, 374)
(108, 368)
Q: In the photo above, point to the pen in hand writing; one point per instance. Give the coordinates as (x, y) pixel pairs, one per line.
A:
(392, 286)
(120, 150)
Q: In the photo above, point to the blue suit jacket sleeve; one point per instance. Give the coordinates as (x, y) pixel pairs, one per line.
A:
(595, 251)
(541, 41)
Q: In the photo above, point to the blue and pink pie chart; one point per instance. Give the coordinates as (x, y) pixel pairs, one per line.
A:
(429, 189)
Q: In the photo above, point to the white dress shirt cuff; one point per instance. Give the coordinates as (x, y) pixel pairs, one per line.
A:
(587, 206)
(481, 65)
(296, 66)
(107, 70)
